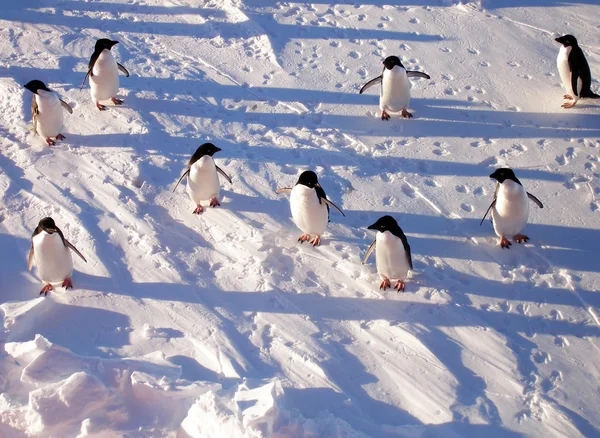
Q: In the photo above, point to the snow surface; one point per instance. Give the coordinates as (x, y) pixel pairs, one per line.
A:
(222, 325)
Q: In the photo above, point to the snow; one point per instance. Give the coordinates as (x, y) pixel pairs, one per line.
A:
(222, 324)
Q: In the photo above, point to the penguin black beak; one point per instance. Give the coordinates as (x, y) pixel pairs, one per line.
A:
(217, 149)
(113, 43)
(371, 227)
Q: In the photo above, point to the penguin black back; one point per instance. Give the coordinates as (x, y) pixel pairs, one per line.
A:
(579, 67)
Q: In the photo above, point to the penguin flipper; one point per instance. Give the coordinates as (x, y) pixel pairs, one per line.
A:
(406, 249)
(219, 170)
(536, 200)
(417, 74)
(89, 72)
(487, 211)
(30, 258)
(184, 174)
(70, 245)
(574, 77)
(331, 204)
(283, 190)
(34, 114)
(123, 70)
(369, 84)
(66, 106)
(369, 251)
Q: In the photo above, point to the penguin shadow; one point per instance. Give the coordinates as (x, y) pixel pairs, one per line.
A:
(519, 331)
(62, 15)
(353, 404)
(62, 79)
(16, 177)
(241, 203)
(570, 248)
(17, 284)
(210, 299)
(97, 329)
(193, 371)
(317, 400)
(495, 4)
(471, 388)
(49, 316)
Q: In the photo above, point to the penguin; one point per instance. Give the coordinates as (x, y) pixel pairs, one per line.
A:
(392, 252)
(203, 181)
(50, 250)
(574, 71)
(395, 87)
(103, 71)
(46, 111)
(309, 206)
(510, 209)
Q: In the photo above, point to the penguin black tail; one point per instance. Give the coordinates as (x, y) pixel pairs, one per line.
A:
(590, 94)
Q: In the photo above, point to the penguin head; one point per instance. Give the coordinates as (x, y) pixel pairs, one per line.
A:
(203, 150)
(47, 224)
(392, 61)
(309, 179)
(567, 40)
(104, 43)
(385, 223)
(503, 174)
(36, 85)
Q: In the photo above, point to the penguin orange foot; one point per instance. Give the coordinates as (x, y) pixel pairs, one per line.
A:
(304, 238)
(67, 283)
(520, 238)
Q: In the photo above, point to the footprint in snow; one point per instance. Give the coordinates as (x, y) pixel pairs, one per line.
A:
(409, 191)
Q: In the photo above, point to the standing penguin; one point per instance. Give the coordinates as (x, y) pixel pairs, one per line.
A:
(103, 71)
(395, 87)
(574, 71)
(203, 181)
(392, 252)
(52, 256)
(510, 209)
(309, 206)
(46, 111)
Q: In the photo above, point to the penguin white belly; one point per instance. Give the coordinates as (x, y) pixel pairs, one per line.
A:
(308, 214)
(395, 90)
(50, 114)
(511, 211)
(562, 62)
(390, 257)
(203, 180)
(53, 259)
(104, 80)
